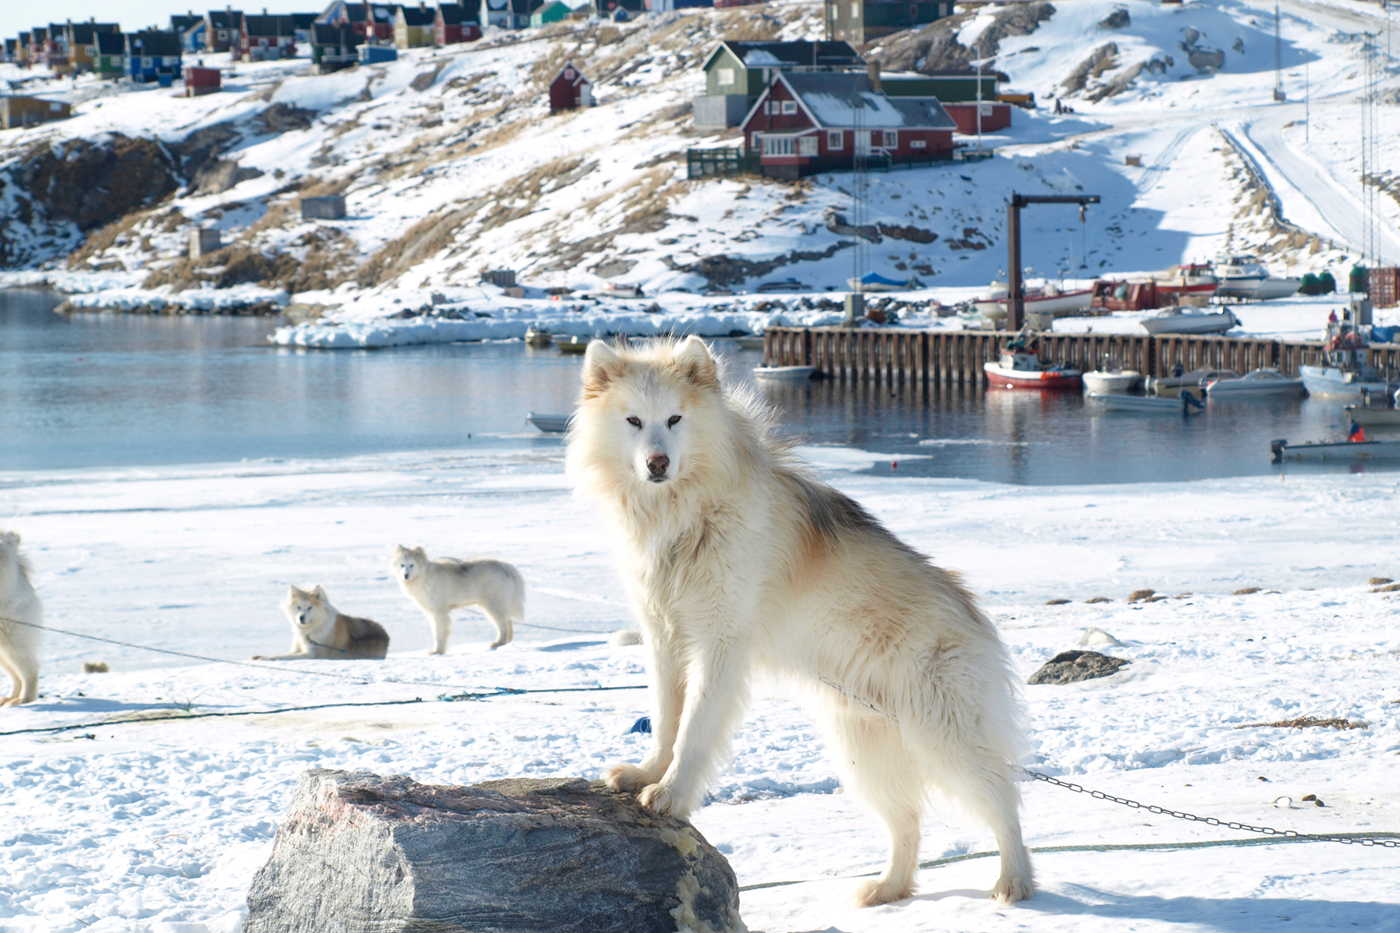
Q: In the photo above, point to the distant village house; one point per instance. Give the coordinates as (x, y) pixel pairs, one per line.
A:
(862, 21)
(569, 89)
(334, 46)
(452, 24)
(267, 38)
(223, 30)
(816, 122)
(414, 26)
(736, 73)
(153, 56)
(17, 112)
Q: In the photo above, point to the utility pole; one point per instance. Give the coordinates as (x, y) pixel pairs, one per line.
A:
(1015, 299)
(1278, 59)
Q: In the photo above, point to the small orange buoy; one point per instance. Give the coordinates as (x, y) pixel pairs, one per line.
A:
(894, 464)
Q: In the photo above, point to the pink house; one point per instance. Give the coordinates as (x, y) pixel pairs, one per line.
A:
(805, 123)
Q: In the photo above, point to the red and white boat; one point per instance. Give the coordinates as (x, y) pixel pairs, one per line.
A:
(1020, 367)
(1187, 280)
(1049, 297)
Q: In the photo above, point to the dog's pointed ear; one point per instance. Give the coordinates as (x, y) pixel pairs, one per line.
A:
(10, 537)
(695, 363)
(602, 366)
(319, 592)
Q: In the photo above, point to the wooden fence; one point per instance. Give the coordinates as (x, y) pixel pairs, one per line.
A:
(892, 355)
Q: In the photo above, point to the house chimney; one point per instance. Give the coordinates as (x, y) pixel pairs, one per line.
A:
(873, 70)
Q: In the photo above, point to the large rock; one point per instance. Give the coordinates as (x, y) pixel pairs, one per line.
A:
(361, 852)
(1069, 667)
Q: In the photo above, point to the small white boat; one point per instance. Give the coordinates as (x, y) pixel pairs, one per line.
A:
(1372, 417)
(1110, 380)
(538, 337)
(751, 342)
(1257, 382)
(1172, 385)
(1345, 451)
(790, 373)
(1184, 404)
(1190, 321)
(1244, 276)
(1192, 282)
(573, 346)
(549, 424)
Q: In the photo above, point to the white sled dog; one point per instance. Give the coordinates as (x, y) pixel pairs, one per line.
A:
(321, 631)
(439, 586)
(739, 561)
(19, 643)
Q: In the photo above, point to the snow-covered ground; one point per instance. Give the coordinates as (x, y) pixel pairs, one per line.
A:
(158, 826)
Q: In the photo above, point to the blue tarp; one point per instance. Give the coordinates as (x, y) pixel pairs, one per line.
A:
(874, 278)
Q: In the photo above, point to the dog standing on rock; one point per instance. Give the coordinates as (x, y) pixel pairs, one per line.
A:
(439, 586)
(321, 631)
(739, 561)
(19, 604)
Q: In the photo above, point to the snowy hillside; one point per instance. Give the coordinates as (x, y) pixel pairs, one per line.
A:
(451, 164)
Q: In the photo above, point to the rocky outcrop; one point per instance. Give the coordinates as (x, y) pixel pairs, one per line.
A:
(360, 852)
(935, 47)
(94, 182)
(722, 271)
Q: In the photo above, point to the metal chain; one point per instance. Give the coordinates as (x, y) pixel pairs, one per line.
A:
(1389, 843)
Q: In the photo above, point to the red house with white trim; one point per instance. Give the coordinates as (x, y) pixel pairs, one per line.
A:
(805, 123)
(570, 89)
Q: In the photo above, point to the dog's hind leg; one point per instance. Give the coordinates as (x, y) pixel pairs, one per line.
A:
(879, 769)
(500, 617)
(981, 782)
(23, 672)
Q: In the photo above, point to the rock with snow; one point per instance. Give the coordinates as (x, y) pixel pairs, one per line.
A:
(1069, 667)
(361, 852)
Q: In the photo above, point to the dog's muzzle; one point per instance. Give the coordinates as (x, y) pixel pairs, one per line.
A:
(657, 465)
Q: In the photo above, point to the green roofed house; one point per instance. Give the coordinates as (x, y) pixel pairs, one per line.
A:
(736, 73)
(550, 13)
(110, 58)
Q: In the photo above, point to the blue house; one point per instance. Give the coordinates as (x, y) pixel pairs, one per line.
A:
(192, 37)
(153, 56)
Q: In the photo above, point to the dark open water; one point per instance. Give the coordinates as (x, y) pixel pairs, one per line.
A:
(110, 390)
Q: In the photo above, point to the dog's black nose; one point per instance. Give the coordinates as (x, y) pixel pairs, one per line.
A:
(657, 464)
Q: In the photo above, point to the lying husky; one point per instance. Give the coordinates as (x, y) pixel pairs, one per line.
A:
(19, 604)
(439, 586)
(319, 630)
(738, 560)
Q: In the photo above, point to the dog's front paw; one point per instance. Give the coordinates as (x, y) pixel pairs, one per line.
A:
(658, 799)
(625, 777)
(258, 657)
(1012, 889)
(882, 891)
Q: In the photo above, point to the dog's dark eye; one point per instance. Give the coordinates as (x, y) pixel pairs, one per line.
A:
(634, 421)
(671, 422)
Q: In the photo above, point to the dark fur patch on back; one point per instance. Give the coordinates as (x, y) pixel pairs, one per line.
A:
(833, 513)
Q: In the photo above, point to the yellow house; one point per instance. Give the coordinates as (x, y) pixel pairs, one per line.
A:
(413, 26)
(82, 43)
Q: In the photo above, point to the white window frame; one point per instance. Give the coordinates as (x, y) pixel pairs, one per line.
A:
(836, 140)
(918, 144)
(986, 110)
(890, 139)
(789, 107)
(807, 146)
(725, 77)
(778, 146)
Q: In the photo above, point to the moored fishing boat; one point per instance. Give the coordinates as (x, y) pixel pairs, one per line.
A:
(1190, 321)
(1258, 382)
(1019, 366)
(1184, 404)
(1346, 371)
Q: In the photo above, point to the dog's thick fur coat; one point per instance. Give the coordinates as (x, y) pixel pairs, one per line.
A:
(321, 631)
(19, 643)
(738, 561)
(439, 586)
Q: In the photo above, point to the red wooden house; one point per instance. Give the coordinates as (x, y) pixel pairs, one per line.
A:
(266, 38)
(995, 116)
(812, 122)
(570, 89)
(379, 22)
(452, 24)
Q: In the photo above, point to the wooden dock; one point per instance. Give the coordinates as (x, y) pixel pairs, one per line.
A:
(890, 355)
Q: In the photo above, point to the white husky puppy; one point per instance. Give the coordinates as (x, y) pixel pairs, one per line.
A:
(737, 561)
(319, 630)
(439, 586)
(19, 643)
